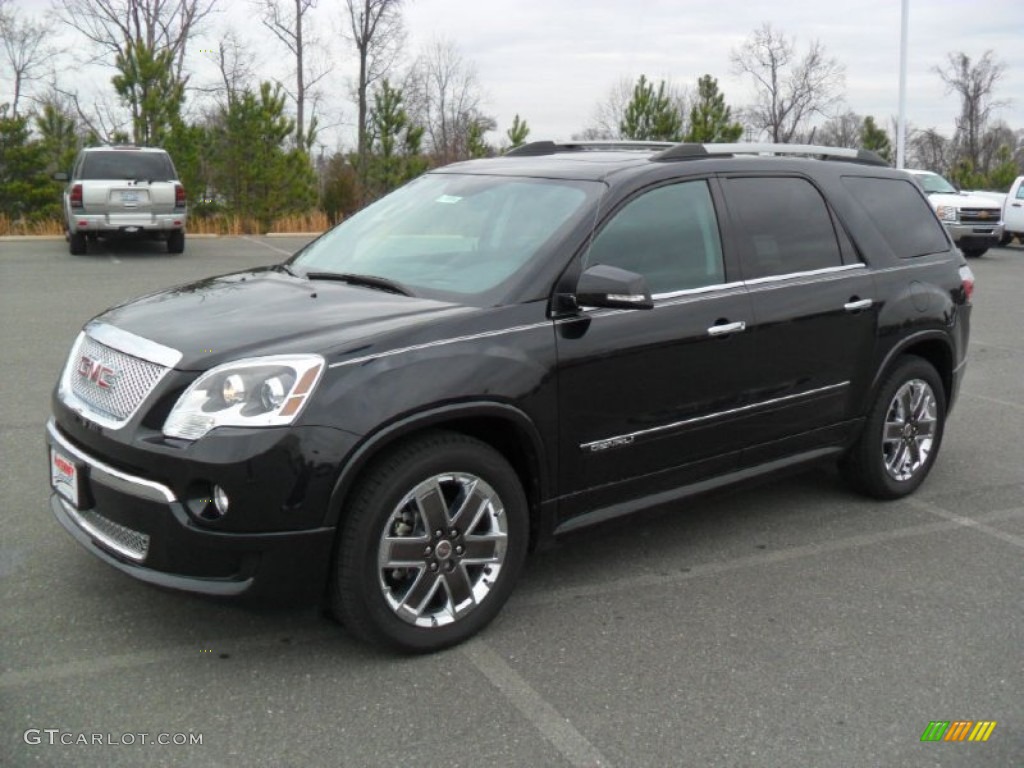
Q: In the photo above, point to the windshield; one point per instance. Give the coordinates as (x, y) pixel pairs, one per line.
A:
(932, 182)
(452, 236)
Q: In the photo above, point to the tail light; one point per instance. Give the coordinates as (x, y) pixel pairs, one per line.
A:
(76, 196)
(967, 281)
(179, 196)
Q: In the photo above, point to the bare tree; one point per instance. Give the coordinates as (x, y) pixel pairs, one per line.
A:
(287, 20)
(841, 131)
(445, 98)
(24, 51)
(788, 90)
(975, 85)
(375, 27)
(929, 150)
(236, 64)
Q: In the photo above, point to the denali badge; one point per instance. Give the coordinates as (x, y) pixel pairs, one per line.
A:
(96, 372)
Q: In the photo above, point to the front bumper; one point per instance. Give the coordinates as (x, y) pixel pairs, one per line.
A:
(143, 529)
(975, 235)
(126, 222)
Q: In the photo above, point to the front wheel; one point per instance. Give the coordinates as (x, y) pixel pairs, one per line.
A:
(432, 544)
(974, 253)
(902, 434)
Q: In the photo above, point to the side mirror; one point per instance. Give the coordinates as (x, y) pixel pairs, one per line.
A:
(60, 176)
(609, 287)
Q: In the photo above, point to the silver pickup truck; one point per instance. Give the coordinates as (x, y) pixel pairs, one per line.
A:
(123, 190)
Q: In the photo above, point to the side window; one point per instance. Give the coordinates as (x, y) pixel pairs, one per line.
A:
(669, 235)
(900, 214)
(1020, 192)
(783, 226)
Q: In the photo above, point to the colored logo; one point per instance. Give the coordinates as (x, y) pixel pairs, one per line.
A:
(958, 730)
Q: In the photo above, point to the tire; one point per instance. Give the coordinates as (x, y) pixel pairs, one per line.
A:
(893, 455)
(77, 244)
(974, 253)
(449, 574)
(176, 241)
(1005, 239)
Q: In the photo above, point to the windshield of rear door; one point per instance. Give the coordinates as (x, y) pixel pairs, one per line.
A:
(455, 237)
(126, 164)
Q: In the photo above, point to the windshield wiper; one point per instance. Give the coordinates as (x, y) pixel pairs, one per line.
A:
(370, 281)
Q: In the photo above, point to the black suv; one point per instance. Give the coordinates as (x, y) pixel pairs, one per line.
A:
(505, 350)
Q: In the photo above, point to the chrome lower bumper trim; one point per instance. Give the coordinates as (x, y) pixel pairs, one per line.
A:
(118, 538)
(104, 474)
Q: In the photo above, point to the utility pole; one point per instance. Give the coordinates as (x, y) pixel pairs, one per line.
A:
(901, 124)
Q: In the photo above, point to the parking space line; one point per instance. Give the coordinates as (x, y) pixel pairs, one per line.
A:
(967, 522)
(549, 595)
(266, 245)
(555, 727)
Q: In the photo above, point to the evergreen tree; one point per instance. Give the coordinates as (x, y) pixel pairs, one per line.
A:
(25, 188)
(1004, 172)
(518, 132)
(148, 87)
(252, 168)
(651, 115)
(710, 117)
(876, 139)
(396, 142)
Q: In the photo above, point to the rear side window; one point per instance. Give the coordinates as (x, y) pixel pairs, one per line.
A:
(669, 235)
(783, 226)
(127, 164)
(901, 215)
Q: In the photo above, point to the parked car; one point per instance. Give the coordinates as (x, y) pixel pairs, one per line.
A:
(1013, 212)
(123, 190)
(502, 351)
(973, 221)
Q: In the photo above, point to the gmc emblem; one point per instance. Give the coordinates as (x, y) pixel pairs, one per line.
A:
(96, 372)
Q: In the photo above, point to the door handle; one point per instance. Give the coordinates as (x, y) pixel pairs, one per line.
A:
(857, 304)
(1015, 205)
(724, 329)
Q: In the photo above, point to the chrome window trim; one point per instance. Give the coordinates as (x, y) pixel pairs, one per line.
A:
(130, 344)
(686, 292)
(629, 437)
(104, 474)
(807, 273)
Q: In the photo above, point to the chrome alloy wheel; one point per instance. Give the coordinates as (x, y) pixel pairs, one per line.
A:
(910, 426)
(442, 549)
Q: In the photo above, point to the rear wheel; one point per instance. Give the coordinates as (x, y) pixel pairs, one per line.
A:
(77, 244)
(432, 544)
(902, 434)
(176, 241)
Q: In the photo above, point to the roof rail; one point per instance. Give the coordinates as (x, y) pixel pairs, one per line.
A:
(550, 147)
(692, 151)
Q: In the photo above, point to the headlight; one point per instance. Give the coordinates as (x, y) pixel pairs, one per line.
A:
(946, 212)
(258, 392)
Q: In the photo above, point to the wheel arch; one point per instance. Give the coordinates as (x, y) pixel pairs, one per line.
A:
(933, 346)
(505, 428)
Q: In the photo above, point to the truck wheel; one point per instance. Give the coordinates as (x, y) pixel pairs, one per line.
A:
(431, 546)
(902, 433)
(176, 241)
(77, 244)
(974, 253)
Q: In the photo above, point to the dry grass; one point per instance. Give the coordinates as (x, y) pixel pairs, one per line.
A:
(314, 221)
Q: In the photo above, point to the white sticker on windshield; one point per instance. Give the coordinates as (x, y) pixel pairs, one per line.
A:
(449, 199)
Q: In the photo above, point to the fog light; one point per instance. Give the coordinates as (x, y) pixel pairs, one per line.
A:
(220, 500)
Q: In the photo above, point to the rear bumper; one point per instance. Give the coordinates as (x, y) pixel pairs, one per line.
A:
(127, 223)
(141, 528)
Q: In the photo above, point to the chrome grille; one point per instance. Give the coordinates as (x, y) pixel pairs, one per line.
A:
(134, 379)
(980, 215)
(115, 536)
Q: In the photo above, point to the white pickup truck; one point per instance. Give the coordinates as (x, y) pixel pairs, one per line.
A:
(123, 190)
(974, 222)
(1013, 212)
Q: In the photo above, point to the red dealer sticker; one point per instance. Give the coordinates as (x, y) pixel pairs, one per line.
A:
(64, 476)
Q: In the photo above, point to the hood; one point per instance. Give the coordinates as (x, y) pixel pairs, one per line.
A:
(963, 200)
(265, 312)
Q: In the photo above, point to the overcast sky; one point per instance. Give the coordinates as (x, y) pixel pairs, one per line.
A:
(552, 61)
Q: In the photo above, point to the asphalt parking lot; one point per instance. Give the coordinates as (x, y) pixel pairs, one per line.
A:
(794, 624)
